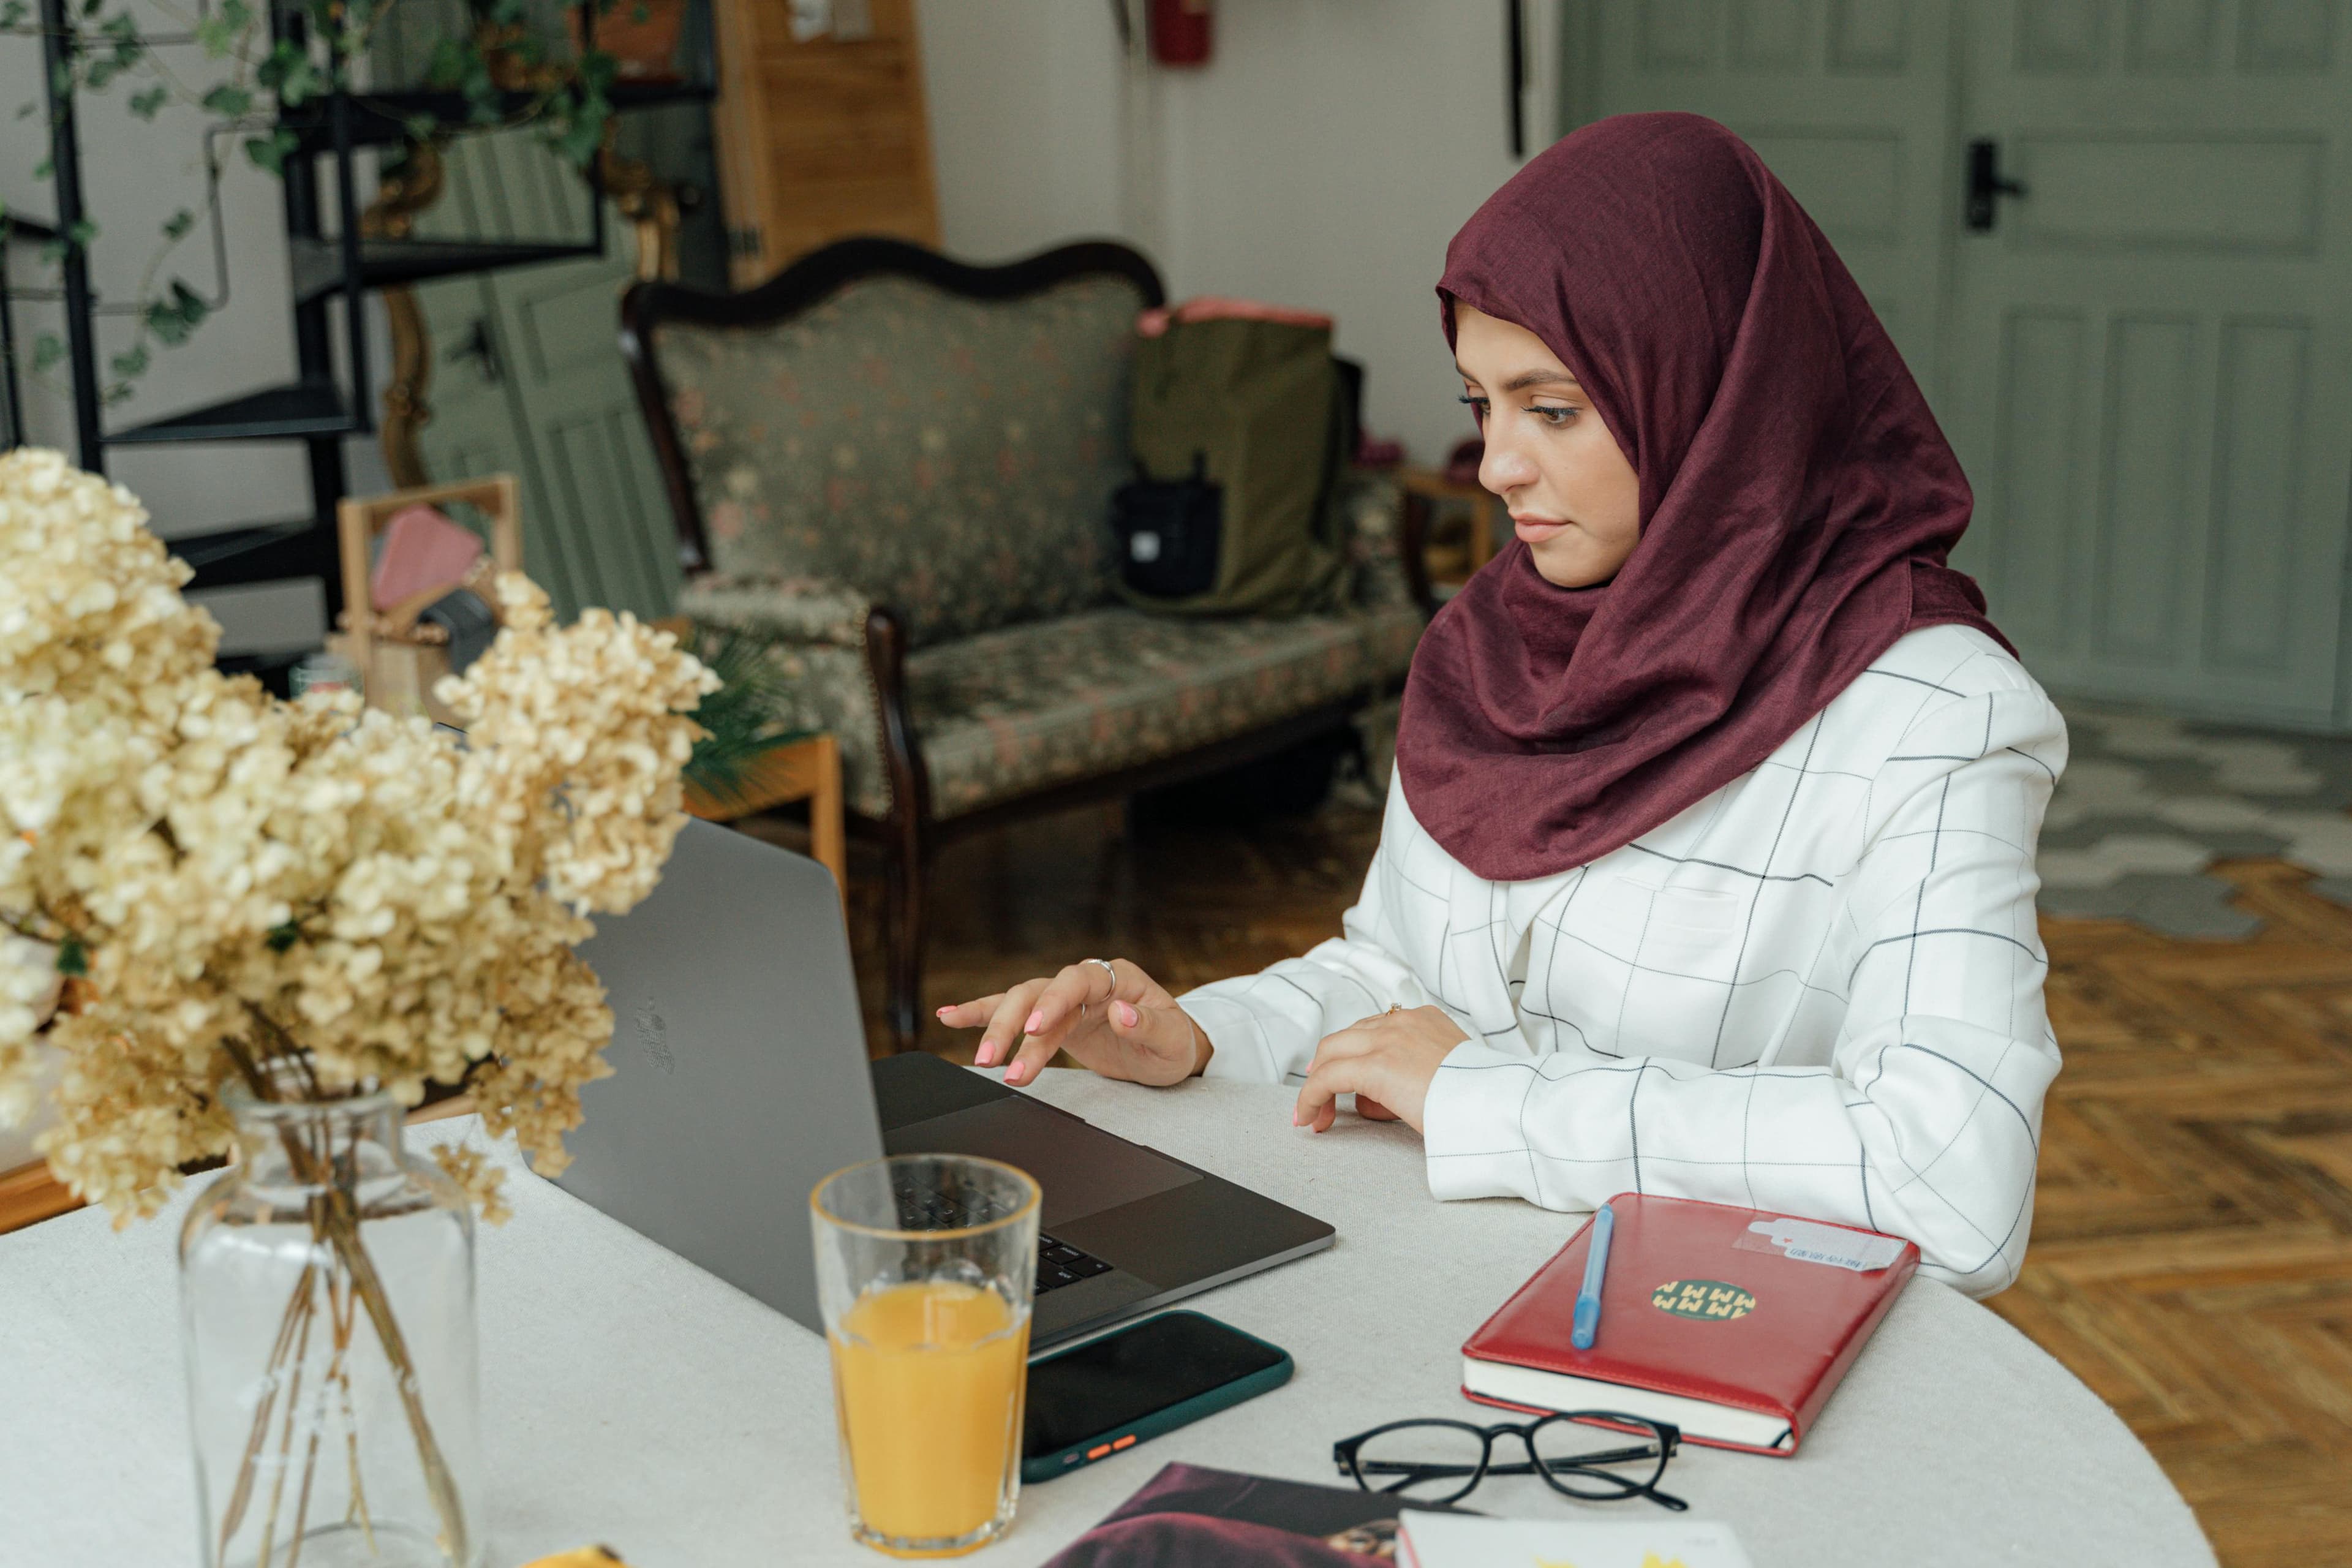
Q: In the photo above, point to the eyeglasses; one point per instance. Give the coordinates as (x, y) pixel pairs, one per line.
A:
(1444, 1461)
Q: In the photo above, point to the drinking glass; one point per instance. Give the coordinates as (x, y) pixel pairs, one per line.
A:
(925, 1264)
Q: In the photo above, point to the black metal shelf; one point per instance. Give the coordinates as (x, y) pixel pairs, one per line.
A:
(317, 265)
(302, 409)
(321, 209)
(382, 119)
(262, 552)
(13, 226)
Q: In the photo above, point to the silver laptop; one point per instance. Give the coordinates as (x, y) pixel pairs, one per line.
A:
(740, 1079)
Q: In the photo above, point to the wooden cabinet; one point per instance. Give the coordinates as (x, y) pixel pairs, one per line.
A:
(823, 138)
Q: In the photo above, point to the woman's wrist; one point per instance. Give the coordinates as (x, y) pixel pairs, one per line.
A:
(1202, 1046)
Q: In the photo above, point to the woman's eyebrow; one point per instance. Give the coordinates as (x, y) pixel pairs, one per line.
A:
(1527, 378)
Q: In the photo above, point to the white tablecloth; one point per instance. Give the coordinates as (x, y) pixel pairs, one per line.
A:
(630, 1398)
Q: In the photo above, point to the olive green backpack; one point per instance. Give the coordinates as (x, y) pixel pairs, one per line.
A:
(1239, 429)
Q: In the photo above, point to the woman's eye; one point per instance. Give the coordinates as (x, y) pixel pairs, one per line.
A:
(1555, 418)
(1477, 409)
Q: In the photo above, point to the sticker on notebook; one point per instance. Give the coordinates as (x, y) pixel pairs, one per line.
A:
(1808, 1241)
(1709, 1300)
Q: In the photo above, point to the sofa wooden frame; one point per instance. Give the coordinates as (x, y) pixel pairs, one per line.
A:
(910, 836)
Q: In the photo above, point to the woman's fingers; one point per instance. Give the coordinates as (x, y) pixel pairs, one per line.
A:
(1318, 1100)
(1352, 1041)
(1078, 986)
(1147, 1038)
(1005, 1021)
(1055, 1016)
(1162, 1045)
(969, 1014)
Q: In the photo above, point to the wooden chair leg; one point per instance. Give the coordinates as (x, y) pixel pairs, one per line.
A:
(907, 873)
(825, 841)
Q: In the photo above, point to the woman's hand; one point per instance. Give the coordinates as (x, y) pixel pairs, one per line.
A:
(1111, 1016)
(1386, 1061)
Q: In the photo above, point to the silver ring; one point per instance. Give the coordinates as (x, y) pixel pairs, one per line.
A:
(1107, 969)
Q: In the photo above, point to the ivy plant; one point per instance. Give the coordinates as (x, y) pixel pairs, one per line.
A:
(505, 68)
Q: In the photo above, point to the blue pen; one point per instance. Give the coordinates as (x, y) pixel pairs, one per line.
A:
(1596, 1269)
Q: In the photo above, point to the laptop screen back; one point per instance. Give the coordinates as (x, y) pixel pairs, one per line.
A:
(739, 1072)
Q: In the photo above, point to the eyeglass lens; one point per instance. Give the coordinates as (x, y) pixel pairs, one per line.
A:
(1596, 1462)
(1428, 1461)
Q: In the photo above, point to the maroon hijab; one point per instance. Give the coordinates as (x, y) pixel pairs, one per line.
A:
(1797, 503)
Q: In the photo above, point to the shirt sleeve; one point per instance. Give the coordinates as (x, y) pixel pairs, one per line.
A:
(1925, 1122)
(1265, 1026)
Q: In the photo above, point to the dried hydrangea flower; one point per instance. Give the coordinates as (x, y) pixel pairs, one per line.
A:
(225, 874)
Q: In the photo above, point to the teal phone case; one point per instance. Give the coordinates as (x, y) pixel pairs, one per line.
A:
(1183, 1412)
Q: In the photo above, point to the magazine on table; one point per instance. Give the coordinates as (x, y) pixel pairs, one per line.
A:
(1189, 1515)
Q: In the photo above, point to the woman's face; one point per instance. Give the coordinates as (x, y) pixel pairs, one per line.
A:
(1573, 496)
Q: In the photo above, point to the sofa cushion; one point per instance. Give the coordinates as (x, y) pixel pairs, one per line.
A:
(1024, 707)
(950, 457)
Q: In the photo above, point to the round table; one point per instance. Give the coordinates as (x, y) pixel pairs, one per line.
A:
(631, 1399)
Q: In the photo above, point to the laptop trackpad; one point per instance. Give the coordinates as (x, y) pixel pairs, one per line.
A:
(1082, 1169)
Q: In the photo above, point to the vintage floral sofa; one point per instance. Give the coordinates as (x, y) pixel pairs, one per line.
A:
(895, 469)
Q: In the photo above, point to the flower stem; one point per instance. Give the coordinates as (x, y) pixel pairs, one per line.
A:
(336, 1216)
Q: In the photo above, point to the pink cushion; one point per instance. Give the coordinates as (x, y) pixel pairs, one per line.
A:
(1220, 308)
(422, 549)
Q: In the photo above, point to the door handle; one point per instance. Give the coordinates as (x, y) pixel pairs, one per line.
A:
(480, 346)
(1985, 182)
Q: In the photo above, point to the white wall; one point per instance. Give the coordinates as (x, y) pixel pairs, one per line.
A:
(1323, 158)
(1025, 100)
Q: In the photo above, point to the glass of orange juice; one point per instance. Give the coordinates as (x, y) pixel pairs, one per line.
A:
(924, 1267)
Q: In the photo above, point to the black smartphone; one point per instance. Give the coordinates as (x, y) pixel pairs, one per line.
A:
(1104, 1396)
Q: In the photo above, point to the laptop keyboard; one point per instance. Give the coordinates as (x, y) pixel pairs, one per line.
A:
(1058, 1263)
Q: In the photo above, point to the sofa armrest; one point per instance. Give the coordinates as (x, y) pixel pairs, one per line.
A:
(1382, 533)
(784, 609)
(816, 637)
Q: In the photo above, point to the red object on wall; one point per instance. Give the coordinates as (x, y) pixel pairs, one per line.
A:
(1181, 31)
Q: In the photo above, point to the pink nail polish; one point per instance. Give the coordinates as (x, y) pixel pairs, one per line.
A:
(986, 1055)
(1036, 1022)
(1127, 1015)
(942, 1013)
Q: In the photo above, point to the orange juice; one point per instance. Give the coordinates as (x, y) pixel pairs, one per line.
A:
(928, 1380)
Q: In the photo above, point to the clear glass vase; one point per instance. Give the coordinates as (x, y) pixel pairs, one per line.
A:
(327, 1313)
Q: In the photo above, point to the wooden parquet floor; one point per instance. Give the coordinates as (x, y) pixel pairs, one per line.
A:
(2193, 1236)
(2192, 1251)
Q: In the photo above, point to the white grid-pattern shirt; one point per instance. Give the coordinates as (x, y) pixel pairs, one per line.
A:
(1818, 990)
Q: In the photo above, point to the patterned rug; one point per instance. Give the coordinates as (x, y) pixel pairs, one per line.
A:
(2147, 804)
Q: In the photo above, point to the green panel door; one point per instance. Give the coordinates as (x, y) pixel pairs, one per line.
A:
(2151, 371)
(528, 377)
(1848, 101)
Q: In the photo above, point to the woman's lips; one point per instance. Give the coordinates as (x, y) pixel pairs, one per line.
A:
(1535, 529)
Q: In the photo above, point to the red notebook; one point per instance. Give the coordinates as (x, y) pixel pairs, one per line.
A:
(1734, 1324)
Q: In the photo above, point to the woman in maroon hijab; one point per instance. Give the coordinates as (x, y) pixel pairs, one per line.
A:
(1709, 868)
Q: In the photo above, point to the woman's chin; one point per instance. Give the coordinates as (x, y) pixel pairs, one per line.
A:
(1567, 562)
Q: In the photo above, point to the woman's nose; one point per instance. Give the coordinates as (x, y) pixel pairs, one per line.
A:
(1504, 468)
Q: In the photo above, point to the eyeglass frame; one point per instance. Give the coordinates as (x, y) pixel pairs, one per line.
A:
(1345, 1454)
